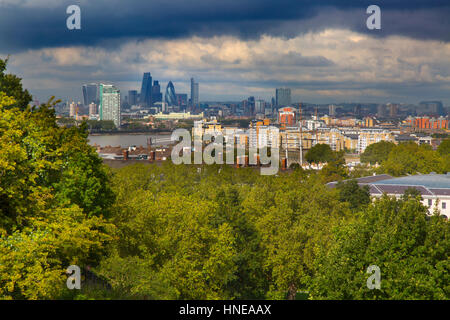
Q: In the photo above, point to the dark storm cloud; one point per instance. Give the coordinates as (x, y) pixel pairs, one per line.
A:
(42, 23)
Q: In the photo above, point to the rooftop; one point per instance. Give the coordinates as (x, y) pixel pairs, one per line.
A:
(429, 184)
(440, 181)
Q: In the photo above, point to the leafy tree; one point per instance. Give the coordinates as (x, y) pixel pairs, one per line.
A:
(168, 242)
(357, 197)
(410, 158)
(12, 85)
(444, 147)
(53, 195)
(320, 153)
(377, 152)
(395, 235)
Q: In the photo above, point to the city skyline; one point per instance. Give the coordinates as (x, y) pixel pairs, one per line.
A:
(323, 52)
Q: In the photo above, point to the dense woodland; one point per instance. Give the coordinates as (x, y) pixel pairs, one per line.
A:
(212, 232)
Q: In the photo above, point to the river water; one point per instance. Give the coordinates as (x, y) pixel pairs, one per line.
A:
(126, 140)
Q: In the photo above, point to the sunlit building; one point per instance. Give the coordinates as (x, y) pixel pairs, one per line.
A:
(109, 104)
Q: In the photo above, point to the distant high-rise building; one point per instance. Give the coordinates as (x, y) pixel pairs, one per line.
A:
(90, 93)
(432, 107)
(283, 97)
(110, 104)
(381, 111)
(331, 110)
(132, 97)
(170, 97)
(251, 106)
(182, 100)
(393, 110)
(146, 90)
(260, 106)
(73, 109)
(194, 93)
(93, 110)
(357, 110)
(156, 92)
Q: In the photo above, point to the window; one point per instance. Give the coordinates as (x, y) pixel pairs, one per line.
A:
(430, 202)
(444, 205)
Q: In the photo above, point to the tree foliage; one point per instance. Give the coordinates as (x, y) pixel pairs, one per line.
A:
(377, 152)
(395, 235)
(54, 193)
(410, 158)
(320, 153)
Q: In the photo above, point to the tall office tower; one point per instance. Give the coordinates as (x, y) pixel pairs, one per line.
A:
(434, 108)
(194, 93)
(260, 106)
(156, 92)
(182, 100)
(357, 110)
(146, 90)
(110, 103)
(90, 93)
(170, 97)
(331, 110)
(381, 111)
(393, 110)
(93, 110)
(250, 106)
(283, 97)
(72, 109)
(132, 97)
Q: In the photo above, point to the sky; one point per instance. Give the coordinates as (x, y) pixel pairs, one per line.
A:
(322, 50)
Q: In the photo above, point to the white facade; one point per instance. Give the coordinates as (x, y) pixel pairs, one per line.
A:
(110, 104)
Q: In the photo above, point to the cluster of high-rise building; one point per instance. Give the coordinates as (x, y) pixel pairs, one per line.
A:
(104, 101)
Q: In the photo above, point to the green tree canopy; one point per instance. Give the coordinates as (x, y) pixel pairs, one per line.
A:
(12, 86)
(377, 152)
(320, 153)
(444, 147)
(410, 158)
(410, 249)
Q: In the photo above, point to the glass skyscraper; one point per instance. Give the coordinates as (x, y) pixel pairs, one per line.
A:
(146, 90)
(283, 97)
(132, 97)
(109, 103)
(194, 93)
(156, 92)
(90, 94)
(170, 96)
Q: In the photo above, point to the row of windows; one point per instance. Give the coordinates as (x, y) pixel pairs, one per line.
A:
(430, 203)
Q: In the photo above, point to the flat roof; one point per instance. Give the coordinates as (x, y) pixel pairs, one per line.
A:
(429, 184)
(437, 181)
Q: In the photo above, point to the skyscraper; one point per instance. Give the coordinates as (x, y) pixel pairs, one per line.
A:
(146, 90)
(110, 104)
(331, 110)
(170, 97)
(72, 109)
(156, 92)
(132, 97)
(194, 93)
(90, 93)
(283, 97)
(381, 111)
(93, 110)
(182, 100)
(260, 106)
